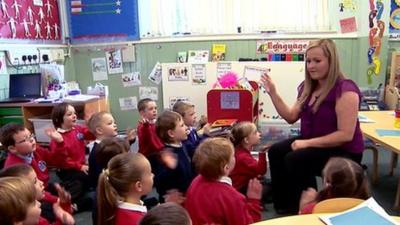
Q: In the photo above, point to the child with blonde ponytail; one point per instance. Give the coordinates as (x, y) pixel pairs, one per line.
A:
(127, 178)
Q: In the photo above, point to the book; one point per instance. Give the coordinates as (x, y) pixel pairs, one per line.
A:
(223, 123)
(218, 52)
(369, 211)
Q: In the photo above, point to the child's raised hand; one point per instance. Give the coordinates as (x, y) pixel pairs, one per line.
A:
(131, 134)
(169, 159)
(62, 215)
(254, 189)
(202, 121)
(53, 134)
(63, 195)
(85, 169)
(174, 195)
(206, 128)
(144, 120)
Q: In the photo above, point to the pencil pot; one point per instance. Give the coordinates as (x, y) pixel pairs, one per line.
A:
(397, 118)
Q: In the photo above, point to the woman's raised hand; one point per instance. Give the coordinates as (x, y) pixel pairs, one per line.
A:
(268, 84)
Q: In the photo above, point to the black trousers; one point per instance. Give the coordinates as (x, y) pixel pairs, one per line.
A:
(295, 171)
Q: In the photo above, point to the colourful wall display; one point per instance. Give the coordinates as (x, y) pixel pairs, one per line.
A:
(29, 20)
(103, 20)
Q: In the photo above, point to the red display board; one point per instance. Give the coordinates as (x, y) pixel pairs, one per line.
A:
(29, 20)
(237, 104)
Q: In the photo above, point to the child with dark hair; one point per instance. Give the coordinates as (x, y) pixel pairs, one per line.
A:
(173, 171)
(73, 168)
(186, 110)
(18, 199)
(211, 199)
(22, 149)
(127, 178)
(166, 214)
(62, 208)
(343, 178)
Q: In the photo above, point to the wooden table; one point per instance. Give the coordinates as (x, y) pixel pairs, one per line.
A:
(308, 219)
(383, 120)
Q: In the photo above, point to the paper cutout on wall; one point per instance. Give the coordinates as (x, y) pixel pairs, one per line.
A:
(131, 79)
(377, 28)
(29, 20)
(99, 69)
(148, 92)
(128, 103)
(114, 62)
(348, 25)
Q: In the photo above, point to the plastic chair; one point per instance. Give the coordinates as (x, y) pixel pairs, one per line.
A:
(334, 205)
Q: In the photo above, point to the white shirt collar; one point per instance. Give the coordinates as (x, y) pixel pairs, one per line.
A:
(60, 130)
(132, 207)
(174, 145)
(226, 180)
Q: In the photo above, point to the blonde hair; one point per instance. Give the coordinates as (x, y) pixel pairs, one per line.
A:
(240, 131)
(334, 72)
(211, 156)
(17, 194)
(116, 181)
(181, 107)
(95, 121)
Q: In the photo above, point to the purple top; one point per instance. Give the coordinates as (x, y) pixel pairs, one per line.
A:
(324, 121)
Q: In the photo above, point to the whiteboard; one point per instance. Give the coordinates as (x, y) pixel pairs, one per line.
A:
(286, 75)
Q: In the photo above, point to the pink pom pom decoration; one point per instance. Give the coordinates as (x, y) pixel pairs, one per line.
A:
(228, 80)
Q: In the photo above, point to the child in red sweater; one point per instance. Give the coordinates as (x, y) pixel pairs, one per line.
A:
(343, 178)
(62, 208)
(127, 178)
(73, 168)
(149, 142)
(18, 199)
(245, 137)
(211, 199)
(23, 149)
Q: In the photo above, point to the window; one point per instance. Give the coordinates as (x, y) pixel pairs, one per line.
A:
(207, 17)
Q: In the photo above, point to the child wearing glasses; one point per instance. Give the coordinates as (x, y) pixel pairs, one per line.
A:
(23, 149)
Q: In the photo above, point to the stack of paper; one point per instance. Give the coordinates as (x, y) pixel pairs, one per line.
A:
(368, 212)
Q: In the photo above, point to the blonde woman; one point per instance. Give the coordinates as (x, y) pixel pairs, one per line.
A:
(327, 106)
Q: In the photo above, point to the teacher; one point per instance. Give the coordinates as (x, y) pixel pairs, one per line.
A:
(327, 105)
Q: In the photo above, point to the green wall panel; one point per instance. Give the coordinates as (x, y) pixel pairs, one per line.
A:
(352, 53)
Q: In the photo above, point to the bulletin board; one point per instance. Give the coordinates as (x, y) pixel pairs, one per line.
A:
(103, 20)
(33, 21)
(185, 86)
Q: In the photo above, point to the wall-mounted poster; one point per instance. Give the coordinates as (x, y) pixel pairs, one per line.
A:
(178, 73)
(131, 79)
(103, 20)
(114, 62)
(99, 69)
(199, 73)
(30, 20)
